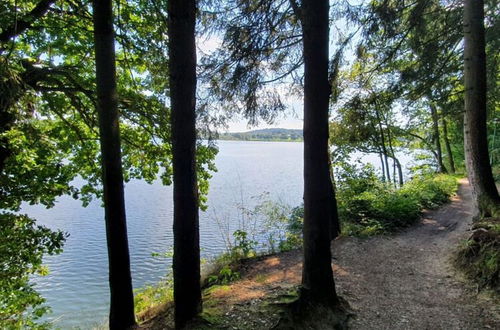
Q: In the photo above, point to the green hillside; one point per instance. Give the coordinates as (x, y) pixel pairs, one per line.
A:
(267, 134)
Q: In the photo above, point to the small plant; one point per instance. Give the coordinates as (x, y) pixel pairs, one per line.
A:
(282, 225)
(154, 295)
(225, 276)
(243, 246)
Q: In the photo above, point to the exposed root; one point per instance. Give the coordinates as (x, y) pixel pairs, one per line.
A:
(302, 314)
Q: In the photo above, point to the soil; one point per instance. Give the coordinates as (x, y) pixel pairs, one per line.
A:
(402, 281)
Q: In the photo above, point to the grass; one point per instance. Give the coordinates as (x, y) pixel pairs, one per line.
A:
(152, 298)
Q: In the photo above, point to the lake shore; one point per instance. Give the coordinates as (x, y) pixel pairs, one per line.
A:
(411, 270)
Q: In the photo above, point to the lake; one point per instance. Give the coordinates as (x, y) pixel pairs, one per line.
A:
(248, 172)
(77, 286)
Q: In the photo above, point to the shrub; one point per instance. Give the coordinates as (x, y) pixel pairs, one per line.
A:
(225, 276)
(281, 225)
(368, 206)
(430, 191)
(243, 246)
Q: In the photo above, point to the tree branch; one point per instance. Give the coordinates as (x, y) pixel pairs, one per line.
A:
(25, 23)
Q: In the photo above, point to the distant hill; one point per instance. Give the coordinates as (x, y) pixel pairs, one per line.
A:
(267, 134)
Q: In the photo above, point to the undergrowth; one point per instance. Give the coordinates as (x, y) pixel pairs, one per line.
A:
(153, 297)
(479, 256)
(367, 206)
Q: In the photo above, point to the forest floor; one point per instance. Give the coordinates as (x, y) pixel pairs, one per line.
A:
(401, 281)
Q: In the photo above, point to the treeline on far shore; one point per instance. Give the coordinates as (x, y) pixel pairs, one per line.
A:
(268, 134)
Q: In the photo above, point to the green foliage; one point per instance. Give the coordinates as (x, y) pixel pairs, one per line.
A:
(22, 247)
(293, 233)
(496, 173)
(48, 122)
(47, 104)
(430, 191)
(368, 206)
(153, 295)
(281, 225)
(225, 276)
(243, 246)
(479, 256)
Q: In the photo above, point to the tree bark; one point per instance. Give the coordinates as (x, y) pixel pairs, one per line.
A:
(334, 216)
(121, 314)
(475, 131)
(317, 277)
(182, 75)
(448, 146)
(437, 139)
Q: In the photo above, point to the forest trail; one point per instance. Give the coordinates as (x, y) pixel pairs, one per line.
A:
(402, 281)
(406, 281)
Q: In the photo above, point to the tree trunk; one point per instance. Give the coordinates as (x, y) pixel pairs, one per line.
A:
(387, 169)
(393, 172)
(182, 75)
(396, 162)
(383, 165)
(317, 277)
(400, 171)
(448, 146)
(334, 216)
(437, 140)
(476, 144)
(121, 314)
(384, 148)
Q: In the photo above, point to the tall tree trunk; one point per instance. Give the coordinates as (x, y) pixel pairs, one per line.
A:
(437, 139)
(448, 146)
(317, 277)
(121, 314)
(396, 162)
(387, 169)
(182, 75)
(476, 144)
(383, 165)
(334, 216)
(400, 171)
(393, 171)
(384, 148)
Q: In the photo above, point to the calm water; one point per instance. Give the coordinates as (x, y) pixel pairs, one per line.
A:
(77, 287)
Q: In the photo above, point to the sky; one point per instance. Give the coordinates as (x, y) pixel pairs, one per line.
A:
(293, 116)
(290, 120)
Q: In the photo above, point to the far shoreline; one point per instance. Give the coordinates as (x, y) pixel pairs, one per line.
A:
(261, 140)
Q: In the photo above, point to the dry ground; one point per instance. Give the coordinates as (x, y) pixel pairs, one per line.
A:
(403, 281)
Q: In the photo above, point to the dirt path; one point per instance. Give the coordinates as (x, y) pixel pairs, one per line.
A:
(407, 282)
(404, 281)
